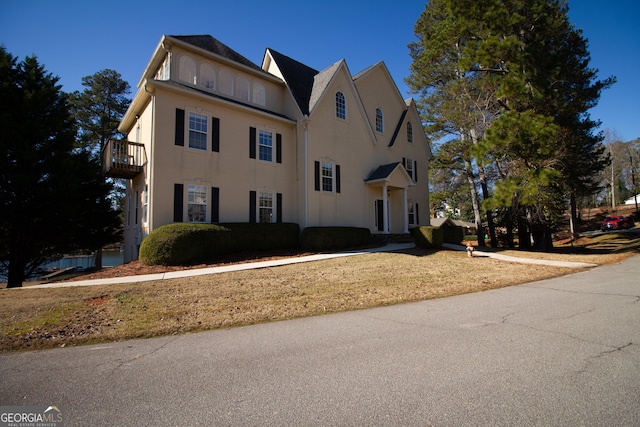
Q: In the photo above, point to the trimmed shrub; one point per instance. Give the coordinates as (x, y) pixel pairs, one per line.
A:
(428, 237)
(185, 244)
(453, 234)
(264, 236)
(327, 238)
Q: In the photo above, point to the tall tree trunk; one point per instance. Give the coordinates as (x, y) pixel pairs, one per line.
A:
(98, 259)
(15, 275)
(485, 194)
(474, 201)
(524, 238)
(509, 224)
(573, 216)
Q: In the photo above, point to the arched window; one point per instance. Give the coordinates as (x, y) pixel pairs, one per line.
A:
(187, 70)
(207, 76)
(409, 133)
(379, 121)
(242, 88)
(225, 82)
(259, 94)
(341, 106)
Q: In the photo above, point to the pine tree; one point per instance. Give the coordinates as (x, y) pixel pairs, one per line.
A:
(54, 200)
(513, 77)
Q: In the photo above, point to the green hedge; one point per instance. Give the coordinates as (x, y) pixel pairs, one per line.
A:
(428, 237)
(327, 238)
(453, 234)
(187, 244)
(264, 236)
(184, 244)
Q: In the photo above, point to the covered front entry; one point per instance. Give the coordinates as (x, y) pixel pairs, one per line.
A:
(391, 206)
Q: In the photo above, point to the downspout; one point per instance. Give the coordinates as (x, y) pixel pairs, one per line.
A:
(305, 125)
(150, 204)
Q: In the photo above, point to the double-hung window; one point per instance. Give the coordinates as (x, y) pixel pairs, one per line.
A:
(412, 213)
(198, 131)
(145, 204)
(197, 203)
(408, 165)
(265, 144)
(327, 177)
(265, 207)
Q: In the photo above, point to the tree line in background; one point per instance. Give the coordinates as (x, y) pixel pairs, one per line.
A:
(55, 200)
(621, 178)
(505, 87)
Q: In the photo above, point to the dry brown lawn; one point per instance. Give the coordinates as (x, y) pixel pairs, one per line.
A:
(56, 317)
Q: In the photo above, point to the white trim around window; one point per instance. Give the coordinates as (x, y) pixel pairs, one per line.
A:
(197, 129)
(197, 203)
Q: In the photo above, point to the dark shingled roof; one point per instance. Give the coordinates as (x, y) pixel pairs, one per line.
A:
(213, 45)
(299, 78)
(395, 133)
(382, 172)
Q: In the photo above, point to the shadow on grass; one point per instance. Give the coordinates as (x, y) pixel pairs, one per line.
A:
(595, 244)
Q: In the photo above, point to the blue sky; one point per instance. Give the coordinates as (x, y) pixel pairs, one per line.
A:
(74, 38)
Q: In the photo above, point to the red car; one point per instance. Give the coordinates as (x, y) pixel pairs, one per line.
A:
(616, 222)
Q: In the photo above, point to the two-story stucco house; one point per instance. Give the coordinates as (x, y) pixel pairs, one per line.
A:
(213, 137)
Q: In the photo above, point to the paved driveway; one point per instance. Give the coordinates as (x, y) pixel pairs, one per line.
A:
(560, 352)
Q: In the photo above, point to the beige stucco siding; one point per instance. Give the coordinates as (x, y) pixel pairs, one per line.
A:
(233, 181)
(231, 170)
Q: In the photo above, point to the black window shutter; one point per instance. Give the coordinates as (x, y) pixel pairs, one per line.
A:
(416, 219)
(278, 148)
(337, 178)
(252, 143)
(317, 175)
(279, 207)
(178, 200)
(215, 204)
(415, 171)
(252, 206)
(179, 127)
(215, 134)
(404, 162)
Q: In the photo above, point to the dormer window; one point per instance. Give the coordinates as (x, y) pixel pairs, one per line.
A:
(242, 88)
(187, 70)
(341, 106)
(259, 94)
(225, 80)
(379, 121)
(163, 71)
(207, 76)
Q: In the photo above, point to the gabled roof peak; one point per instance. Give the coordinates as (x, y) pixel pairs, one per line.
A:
(298, 76)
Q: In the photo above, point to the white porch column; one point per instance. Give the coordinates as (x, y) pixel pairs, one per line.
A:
(405, 210)
(385, 209)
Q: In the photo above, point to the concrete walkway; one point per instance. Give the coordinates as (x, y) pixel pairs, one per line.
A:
(477, 253)
(295, 260)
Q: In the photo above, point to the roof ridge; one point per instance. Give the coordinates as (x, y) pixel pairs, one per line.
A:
(215, 46)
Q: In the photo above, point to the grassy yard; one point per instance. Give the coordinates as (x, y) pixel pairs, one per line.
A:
(48, 318)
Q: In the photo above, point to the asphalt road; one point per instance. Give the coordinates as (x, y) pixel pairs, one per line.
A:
(560, 352)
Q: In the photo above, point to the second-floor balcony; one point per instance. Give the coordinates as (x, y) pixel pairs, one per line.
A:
(123, 159)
